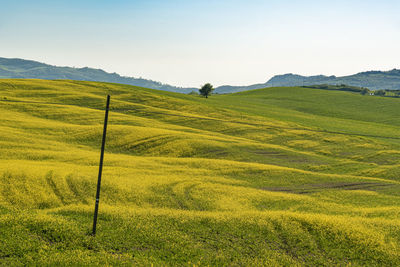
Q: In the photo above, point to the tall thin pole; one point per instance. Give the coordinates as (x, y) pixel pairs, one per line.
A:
(103, 143)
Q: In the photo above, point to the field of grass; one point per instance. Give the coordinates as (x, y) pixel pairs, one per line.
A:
(277, 176)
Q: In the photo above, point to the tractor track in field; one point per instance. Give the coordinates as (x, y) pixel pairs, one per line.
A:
(314, 188)
(51, 183)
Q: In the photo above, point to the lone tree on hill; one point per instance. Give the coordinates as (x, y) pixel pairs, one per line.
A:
(206, 90)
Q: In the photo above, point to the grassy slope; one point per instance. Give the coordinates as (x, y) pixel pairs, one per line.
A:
(259, 177)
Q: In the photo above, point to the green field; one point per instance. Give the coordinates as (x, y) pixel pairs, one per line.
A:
(277, 176)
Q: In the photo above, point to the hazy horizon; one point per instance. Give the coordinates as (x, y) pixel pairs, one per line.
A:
(93, 67)
(189, 43)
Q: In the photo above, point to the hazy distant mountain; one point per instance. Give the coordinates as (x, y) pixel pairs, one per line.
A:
(20, 68)
(373, 80)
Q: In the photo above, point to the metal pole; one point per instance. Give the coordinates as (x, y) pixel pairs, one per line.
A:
(103, 143)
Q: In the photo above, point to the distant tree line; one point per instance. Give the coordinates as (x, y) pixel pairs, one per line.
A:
(387, 93)
(356, 89)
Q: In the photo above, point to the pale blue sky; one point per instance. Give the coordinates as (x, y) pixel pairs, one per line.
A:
(188, 43)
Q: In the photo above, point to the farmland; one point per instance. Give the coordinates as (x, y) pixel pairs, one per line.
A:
(277, 176)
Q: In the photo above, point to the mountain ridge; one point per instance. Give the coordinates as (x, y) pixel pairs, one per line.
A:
(374, 80)
(29, 69)
(21, 68)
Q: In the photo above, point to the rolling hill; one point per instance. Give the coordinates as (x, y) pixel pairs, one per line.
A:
(276, 176)
(28, 69)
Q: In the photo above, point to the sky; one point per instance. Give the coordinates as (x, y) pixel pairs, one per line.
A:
(188, 43)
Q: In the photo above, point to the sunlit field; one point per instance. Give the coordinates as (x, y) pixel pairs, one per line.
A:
(277, 176)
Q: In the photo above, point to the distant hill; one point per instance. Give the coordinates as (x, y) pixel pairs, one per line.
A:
(20, 68)
(373, 80)
(28, 69)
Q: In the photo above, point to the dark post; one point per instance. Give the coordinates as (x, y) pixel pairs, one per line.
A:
(103, 143)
